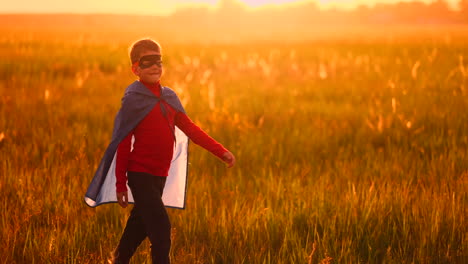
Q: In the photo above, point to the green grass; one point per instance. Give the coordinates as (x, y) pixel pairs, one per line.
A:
(348, 151)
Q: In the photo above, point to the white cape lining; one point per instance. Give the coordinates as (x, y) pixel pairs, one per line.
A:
(176, 183)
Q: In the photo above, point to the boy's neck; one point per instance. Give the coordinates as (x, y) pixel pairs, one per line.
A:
(154, 87)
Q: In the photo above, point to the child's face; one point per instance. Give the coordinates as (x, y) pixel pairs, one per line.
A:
(151, 74)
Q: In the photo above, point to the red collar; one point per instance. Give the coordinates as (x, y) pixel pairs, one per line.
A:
(155, 88)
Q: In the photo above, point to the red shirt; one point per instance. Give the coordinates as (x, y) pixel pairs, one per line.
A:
(154, 142)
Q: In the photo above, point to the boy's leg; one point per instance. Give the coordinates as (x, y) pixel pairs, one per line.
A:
(152, 212)
(132, 237)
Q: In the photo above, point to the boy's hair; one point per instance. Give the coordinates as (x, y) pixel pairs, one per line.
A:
(142, 45)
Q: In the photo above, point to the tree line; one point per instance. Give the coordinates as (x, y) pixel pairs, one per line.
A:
(416, 12)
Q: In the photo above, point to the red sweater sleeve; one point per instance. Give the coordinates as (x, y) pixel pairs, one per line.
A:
(121, 166)
(198, 136)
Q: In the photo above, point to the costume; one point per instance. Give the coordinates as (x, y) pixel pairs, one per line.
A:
(137, 102)
(154, 179)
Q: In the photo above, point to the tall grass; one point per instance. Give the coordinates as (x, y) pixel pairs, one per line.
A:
(348, 151)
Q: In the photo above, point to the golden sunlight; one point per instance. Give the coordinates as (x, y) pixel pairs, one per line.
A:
(257, 3)
(341, 4)
(153, 7)
(322, 4)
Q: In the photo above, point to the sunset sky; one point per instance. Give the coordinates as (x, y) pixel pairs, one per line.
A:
(158, 7)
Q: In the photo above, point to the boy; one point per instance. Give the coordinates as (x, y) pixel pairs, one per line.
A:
(147, 162)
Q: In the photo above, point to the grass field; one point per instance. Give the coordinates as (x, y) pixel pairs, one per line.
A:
(349, 150)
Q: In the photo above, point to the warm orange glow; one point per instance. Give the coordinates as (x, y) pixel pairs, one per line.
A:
(154, 7)
(325, 4)
(257, 3)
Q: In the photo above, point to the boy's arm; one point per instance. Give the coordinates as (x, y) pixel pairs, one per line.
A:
(123, 154)
(199, 137)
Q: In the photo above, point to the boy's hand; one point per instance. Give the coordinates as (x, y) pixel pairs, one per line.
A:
(122, 198)
(229, 158)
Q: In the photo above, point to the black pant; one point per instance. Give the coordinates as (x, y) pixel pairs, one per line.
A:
(147, 219)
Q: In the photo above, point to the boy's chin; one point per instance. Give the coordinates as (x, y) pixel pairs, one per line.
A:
(150, 81)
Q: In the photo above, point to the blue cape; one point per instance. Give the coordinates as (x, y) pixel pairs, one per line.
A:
(137, 102)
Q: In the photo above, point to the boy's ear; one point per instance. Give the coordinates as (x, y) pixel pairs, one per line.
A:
(135, 69)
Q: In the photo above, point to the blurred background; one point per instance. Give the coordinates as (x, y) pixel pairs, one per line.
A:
(231, 20)
(348, 120)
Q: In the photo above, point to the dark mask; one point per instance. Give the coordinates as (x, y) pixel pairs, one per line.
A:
(150, 60)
